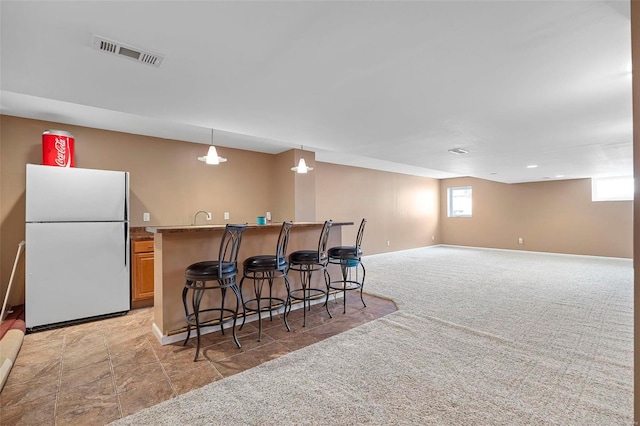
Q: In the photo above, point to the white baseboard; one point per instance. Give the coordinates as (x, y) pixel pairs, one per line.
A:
(588, 256)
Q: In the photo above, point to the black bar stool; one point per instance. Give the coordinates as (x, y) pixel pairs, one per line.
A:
(348, 257)
(267, 267)
(223, 271)
(306, 262)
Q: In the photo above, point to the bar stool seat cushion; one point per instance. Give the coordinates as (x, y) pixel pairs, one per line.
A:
(264, 262)
(345, 252)
(209, 270)
(304, 256)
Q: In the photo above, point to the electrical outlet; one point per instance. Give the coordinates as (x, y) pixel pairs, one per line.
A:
(520, 240)
(388, 243)
(146, 217)
(226, 215)
(208, 215)
(268, 216)
(433, 238)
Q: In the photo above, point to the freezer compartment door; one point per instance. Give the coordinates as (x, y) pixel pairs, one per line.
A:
(61, 194)
(75, 271)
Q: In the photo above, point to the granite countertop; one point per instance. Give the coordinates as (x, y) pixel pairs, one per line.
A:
(201, 228)
(138, 233)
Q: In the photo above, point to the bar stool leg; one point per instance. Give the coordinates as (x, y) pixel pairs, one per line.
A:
(258, 283)
(327, 282)
(288, 301)
(186, 312)
(196, 313)
(235, 289)
(305, 277)
(343, 267)
(364, 272)
(244, 316)
(270, 280)
(223, 290)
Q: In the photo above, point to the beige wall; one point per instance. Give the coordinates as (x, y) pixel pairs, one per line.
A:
(553, 216)
(400, 209)
(284, 204)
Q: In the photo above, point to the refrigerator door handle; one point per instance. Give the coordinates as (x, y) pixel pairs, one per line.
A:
(126, 238)
(126, 199)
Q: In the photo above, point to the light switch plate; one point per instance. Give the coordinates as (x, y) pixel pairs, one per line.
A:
(146, 217)
(226, 215)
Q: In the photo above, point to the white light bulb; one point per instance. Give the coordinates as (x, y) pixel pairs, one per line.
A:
(302, 166)
(212, 156)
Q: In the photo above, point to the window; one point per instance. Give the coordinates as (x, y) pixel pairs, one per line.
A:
(459, 201)
(612, 188)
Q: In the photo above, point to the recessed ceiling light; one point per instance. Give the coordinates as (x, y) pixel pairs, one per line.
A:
(559, 176)
(532, 166)
(493, 173)
(545, 177)
(458, 151)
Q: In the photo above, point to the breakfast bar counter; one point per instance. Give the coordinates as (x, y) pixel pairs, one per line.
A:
(176, 247)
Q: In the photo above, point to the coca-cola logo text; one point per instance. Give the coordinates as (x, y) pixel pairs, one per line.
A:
(62, 159)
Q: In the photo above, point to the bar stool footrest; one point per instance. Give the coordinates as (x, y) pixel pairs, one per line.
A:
(272, 303)
(345, 285)
(191, 318)
(308, 293)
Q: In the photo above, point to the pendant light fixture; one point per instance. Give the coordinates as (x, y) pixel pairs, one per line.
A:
(302, 165)
(212, 154)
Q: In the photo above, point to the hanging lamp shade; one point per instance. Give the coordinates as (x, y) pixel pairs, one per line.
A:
(302, 166)
(212, 154)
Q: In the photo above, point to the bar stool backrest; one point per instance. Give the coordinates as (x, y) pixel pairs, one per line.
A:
(229, 248)
(360, 234)
(283, 242)
(322, 243)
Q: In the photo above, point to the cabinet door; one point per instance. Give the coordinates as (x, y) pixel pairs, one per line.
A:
(142, 276)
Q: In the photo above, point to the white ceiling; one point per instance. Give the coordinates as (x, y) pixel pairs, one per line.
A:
(385, 85)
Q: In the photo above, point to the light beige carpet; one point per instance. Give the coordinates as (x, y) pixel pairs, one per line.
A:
(481, 337)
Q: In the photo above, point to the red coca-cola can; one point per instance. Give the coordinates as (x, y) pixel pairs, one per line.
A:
(57, 148)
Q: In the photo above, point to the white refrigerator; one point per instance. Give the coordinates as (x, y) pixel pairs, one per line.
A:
(77, 245)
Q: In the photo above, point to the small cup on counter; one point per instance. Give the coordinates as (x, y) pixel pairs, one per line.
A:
(261, 220)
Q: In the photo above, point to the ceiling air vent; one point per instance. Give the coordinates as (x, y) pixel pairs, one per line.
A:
(116, 48)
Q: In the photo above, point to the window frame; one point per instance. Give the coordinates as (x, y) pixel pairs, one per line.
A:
(450, 191)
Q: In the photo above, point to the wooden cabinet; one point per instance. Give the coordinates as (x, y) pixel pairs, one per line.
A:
(142, 273)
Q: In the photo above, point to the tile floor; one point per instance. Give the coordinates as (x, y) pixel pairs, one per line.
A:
(94, 373)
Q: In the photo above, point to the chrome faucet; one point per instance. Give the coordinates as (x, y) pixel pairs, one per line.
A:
(207, 214)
